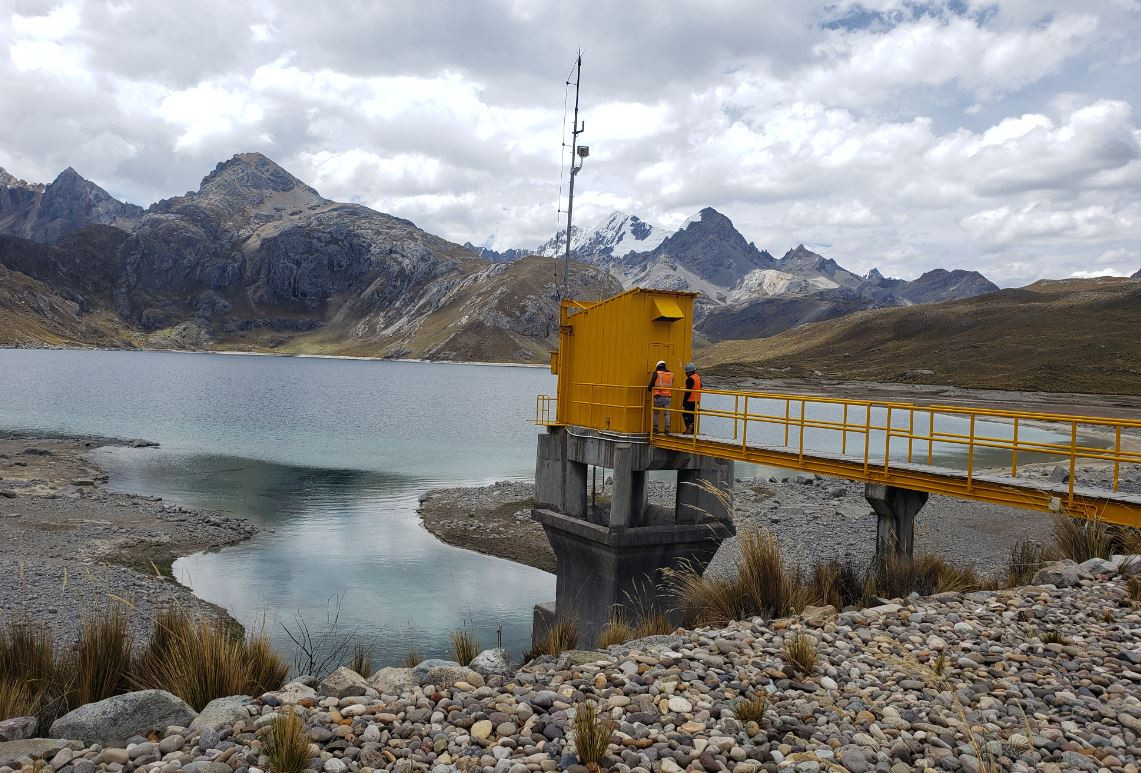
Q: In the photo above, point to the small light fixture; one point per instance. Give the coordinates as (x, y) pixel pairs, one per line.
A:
(583, 151)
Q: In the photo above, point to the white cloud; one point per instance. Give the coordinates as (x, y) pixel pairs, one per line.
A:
(1003, 138)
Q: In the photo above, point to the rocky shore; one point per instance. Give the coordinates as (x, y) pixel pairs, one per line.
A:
(1044, 677)
(72, 548)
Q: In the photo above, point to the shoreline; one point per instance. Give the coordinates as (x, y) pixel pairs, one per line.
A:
(72, 547)
(812, 518)
(237, 352)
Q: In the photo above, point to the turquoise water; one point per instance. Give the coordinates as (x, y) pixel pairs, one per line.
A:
(329, 457)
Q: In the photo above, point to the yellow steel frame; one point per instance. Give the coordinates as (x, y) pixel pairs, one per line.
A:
(918, 472)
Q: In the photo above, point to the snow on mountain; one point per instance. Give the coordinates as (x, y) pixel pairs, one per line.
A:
(614, 236)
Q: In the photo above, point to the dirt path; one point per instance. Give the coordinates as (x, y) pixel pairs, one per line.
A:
(72, 548)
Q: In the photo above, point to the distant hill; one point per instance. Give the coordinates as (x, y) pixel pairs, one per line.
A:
(1055, 336)
(69, 203)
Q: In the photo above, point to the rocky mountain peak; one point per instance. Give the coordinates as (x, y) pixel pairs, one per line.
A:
(253, 176)
(874, 276)
(1137, 275)
(8, 180)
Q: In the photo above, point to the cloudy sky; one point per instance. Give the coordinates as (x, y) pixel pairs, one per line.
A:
(1000, 135)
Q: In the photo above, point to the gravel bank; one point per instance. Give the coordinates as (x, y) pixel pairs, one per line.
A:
(72, 548)
(1011, 697)
(815, 518)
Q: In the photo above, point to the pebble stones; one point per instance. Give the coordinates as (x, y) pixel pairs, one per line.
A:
(1035, 678)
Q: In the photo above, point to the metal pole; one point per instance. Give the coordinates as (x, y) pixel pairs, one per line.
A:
(575, 131)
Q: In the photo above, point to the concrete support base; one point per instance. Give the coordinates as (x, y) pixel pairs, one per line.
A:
(612, 558)
(896, 509)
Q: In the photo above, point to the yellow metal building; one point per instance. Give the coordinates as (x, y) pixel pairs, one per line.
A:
(608, 349)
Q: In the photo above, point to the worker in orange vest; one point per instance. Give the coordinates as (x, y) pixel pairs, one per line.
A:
(691, 398)
(661, 385)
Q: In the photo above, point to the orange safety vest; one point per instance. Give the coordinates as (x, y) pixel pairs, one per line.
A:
(695, 393)
(663, 384)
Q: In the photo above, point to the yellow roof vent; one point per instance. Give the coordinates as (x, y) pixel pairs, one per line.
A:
(666, 309)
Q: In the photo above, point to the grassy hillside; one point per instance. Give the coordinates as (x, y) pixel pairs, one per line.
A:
(33, 315)
(1053, 336)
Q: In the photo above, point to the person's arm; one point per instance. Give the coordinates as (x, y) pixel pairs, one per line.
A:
(653, 380)
(688, 389)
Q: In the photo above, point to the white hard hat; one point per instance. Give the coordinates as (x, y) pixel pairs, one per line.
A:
(660, 363)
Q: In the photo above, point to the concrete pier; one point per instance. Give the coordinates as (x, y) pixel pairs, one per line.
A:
(612, 557)
(896, 509)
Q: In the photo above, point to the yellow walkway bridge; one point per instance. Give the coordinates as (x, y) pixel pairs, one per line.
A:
(972, 453)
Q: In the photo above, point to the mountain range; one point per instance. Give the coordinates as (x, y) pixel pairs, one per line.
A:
(255, 259)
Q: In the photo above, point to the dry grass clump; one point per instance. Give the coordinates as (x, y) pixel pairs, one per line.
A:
(897, 576)
(763, 585)
(653, 624)
(465, 646)
(1080, 538)
(1053, 637)
(202, 660)
(33, 680)
(592, 733)
(413, 659)
(362, 661)
(617, 631)
(835, 582)
(752, 709)
(102, 658)
(1133, 589)
(1026, 558)
(800, 652)
(17, 699)
(561, 636)
(286, 744)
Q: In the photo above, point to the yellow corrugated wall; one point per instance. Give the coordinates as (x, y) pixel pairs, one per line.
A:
(608, 349)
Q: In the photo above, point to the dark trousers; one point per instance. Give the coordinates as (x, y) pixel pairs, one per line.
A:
(688, 407)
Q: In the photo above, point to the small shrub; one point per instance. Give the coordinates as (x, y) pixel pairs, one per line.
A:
(362, 661)
(1107, 616)
(763, 574)
(465, 646)
(940, 666)
(800, 652)
(839, 583)
(286, 745)
(897, 576)
(752, 709)
(617, 631)
(413, 659)
(102, 657)
(592, 734)
(708, 600)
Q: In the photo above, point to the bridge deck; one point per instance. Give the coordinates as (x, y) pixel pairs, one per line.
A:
(1034, 494)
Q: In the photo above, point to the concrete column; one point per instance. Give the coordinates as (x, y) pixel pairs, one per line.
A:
(550, 480)
(622, 513)
(896, 509)
(697, 496)
(574, 489)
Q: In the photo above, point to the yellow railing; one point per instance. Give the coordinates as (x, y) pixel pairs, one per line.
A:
(545, 413)
(883, 441)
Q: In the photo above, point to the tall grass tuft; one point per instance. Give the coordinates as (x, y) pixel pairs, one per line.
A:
(617, 631)
(835, 582)
(1026, 558)
(592, 734)
(362, 661)
(800, 652)
(465, 646)
(561, 636)
(286, 744)
(202, 660)
(1081, 538)
(896, 576)
(268, 669)
(17, 699)
(763, 585)
(413, 658)
(653, 624)
(102, 657)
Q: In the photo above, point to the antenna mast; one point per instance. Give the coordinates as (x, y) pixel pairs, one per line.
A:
(581, 153)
